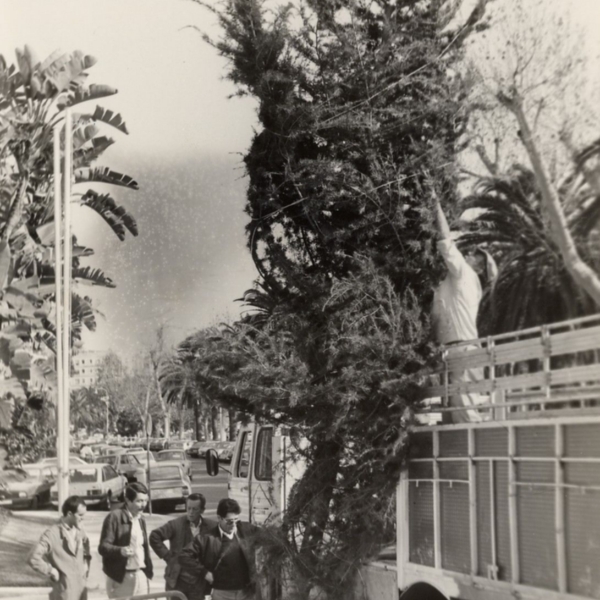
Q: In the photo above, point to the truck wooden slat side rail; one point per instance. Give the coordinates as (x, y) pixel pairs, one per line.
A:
(509, 506)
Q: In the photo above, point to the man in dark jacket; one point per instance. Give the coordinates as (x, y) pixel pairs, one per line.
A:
(124, 546)
(224, 556)
(180, 532)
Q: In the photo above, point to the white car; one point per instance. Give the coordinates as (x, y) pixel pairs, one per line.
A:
(97, 483)
(52, 461)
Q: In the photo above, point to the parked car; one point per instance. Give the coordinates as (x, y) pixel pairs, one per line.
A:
(25, 488)
(224, 450)
(169, 486)
(54, 461)
(199, 449)
(176, 455)
(97, 483)
(157, 444)
(142, 456)
(184, 445)
(126, 464)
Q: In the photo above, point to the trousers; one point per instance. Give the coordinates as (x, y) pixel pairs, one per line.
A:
(134, 584)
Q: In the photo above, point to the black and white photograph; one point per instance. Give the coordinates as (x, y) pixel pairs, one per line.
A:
(300, 299)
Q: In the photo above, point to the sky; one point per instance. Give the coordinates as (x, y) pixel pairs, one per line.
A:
(185, 145)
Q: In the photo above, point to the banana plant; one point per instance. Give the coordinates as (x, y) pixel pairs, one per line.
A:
(33, 97)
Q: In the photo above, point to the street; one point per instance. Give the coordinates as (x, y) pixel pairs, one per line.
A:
(213, 488)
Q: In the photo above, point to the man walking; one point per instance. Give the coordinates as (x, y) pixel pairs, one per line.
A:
(180, 532)
(124, 548)
(224, 556)
(63, 553)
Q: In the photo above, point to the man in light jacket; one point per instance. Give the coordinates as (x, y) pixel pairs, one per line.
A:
(181, 532)
(63, 553)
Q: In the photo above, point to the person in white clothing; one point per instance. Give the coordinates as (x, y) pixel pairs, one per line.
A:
(455, 307)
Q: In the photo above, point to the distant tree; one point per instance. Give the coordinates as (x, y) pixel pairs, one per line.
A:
(128, 423)
(530, 73)
(88, 408)
(533, 286)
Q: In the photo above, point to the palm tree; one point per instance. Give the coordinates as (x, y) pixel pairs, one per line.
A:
(179, 386)
(533, 286)
(87, 408)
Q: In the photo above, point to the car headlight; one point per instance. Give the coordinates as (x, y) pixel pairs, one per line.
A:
(22, 494)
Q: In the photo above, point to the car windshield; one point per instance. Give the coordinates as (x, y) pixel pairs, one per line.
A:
(169, 456)
(165, 473)
(33, 471)
(222, 445)
(83, 475)
(110, 460)
(12, 475)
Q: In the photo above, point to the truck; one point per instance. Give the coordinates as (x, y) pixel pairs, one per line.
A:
(499, 507)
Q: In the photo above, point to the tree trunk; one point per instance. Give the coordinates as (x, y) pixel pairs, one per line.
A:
(232, 424)
(214, 416)
(582, 274)
(196, 419)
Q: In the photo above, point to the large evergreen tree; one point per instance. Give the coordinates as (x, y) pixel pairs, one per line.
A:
(358, 121)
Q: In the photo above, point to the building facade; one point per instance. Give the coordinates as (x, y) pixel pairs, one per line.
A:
(85, 367)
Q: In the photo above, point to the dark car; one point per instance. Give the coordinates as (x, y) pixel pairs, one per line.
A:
(198, 449)
(157, 444)
(169, 486)
(26, 487)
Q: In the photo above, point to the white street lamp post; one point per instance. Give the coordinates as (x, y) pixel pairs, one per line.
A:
(62, 271)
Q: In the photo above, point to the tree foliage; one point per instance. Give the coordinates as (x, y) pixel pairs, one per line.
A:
(33, 97)
(355, 108)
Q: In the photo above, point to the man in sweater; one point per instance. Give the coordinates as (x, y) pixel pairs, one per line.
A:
(180, 532)
(124, 546)
(63, 553)
(224, 555)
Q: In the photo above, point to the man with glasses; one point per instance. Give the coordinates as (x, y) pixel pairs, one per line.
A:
(224, 556)
(180, 532)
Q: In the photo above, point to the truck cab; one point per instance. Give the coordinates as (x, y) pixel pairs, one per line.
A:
(262, 471)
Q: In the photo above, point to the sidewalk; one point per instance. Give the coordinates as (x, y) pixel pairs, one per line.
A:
(96, 582)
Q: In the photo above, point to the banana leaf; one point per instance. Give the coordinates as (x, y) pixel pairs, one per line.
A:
(82, 311)
(12, 386)
(4, 261)
(110, 118)
(91, 276)
(116, 216)
(7, 408)
(67, 71)
(82, 135)
(20, 301)
(87, 154)
(104, 175)
(82, 251)
(20, 364)
(93, 92)
(48, 339)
